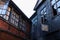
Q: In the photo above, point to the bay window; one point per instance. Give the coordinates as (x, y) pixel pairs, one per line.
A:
(6, 16)
(3, 6)
(14, 18)
(3, 9)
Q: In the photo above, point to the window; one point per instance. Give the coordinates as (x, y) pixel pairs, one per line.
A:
(3, 9)
(21, 20)
(55, 6)
(34, 20)
(22, 24)
(58, 9)
(44, 27)
(34, 24)
(6, 16)
(43, 14)
(58, 6)
(53, 2)
(14, 18)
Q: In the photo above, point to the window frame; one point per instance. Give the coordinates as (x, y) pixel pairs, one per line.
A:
(3, 10)
(56, 5)
(14, 19)
(43, 15)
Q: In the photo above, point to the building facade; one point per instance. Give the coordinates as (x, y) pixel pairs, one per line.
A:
(14, 25)
(48, 19)
(34, 26)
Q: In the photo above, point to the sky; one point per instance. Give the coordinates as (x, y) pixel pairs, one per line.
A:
(26, 6)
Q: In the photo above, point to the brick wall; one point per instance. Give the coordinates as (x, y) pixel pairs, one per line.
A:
(4, 25)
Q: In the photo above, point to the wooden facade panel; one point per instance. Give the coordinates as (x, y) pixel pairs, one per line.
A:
(22, 35)
(28, 27)
(3, 25)
(7, 27)
(13, 30)
(11, 23)
(5, 36)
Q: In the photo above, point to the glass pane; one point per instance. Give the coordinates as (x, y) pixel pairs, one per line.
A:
(8, 13)
(16, 19)
(55, 6)
(17, 16)
(56, 0)
(16, 23)
(58, 4)
(6, 17)
(3, 11)
(1, 15)
(20, 26)
(44, 9)
(45, 13)
(58, 9)
(52, 2)
(13, 16)
(0, 11)
(5, 7)
(12, 21)
(42, 12)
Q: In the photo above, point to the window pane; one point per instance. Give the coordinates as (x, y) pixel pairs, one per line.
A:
(3, 11)
(12, 21)
(42, 12)
(53, 1)
(58, 4)
(0, 11)
(55, 6)
(45, 13)
(58, 9)
(5, 7)
(8, 13)
(6, 17)
(44, 9)
(56, 0)
(14, 17)
(16, 23)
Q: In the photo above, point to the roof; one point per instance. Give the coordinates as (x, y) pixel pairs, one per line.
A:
(35, 14)
(19, 11)
(38, 5)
